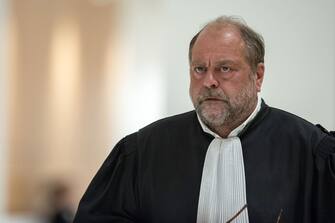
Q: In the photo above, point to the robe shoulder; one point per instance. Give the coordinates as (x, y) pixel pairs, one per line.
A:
(172, 133)
(320, 136)
(311, 137)
(171, 125)
(114, 193)
(274, 122)
(111, 195)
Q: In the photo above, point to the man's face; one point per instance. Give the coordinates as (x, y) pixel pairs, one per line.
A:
(223, 86)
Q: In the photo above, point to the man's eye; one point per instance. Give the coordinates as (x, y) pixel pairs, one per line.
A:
(200, 70)
(225, 69)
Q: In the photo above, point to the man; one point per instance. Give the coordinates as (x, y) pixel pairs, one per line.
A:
(233, 159)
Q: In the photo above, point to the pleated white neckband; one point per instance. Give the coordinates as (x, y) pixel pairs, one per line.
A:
(223, 190)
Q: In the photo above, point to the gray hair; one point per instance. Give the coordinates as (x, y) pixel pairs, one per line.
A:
(254, 41)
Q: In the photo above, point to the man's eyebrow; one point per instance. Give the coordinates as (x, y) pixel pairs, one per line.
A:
(198, 63)
(221, 62)
(217, 63)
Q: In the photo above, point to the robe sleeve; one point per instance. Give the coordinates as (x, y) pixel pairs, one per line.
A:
(324, 194)
(112, 194)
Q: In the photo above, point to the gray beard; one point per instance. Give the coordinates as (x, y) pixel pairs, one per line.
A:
(214, 120)
(233, 111)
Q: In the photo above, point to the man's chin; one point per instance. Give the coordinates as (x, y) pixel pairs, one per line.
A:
(212, 118)
(213, 110)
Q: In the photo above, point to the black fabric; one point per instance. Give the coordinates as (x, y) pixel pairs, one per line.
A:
(154, 175)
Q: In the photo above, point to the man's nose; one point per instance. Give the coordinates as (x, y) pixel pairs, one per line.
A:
(211, 80)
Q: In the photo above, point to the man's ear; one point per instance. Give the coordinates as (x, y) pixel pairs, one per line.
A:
(259, 76)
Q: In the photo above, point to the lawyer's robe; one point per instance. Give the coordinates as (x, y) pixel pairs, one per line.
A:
(154, 175)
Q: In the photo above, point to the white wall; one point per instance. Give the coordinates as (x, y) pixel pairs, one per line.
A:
(141, 89)
(300, 49)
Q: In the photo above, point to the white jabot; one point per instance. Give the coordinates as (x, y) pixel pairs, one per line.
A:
(222, 190)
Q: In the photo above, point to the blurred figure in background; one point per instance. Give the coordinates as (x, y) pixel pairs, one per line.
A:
(60, 204)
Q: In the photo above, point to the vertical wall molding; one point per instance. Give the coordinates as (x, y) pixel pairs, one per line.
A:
(3, 107)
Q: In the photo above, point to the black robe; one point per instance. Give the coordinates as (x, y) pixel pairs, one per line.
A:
(154, 175)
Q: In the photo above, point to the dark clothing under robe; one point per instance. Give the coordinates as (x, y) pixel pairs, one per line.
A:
(154, 175)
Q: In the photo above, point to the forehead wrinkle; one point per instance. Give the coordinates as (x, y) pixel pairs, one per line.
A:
(210, 58)
(216, 60)
(224, 62)
(206, 62)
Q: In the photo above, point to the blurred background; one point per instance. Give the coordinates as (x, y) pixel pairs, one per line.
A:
(78, 75)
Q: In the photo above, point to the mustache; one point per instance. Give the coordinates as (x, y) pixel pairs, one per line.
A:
(210, 94)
